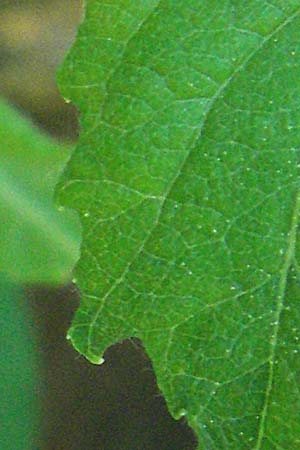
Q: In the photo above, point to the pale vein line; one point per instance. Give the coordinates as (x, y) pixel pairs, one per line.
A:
(118, 64)
(289, 257)
(182, 166)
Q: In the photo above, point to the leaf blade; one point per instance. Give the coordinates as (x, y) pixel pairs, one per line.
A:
(217, 193)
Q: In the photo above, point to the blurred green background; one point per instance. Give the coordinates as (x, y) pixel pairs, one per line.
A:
(116, 406)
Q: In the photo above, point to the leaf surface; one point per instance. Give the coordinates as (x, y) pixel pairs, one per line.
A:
(187, 181)
(38, 243)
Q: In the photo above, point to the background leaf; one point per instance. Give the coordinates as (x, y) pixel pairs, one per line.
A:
(186, 179)
(38, 243)
(20, 383)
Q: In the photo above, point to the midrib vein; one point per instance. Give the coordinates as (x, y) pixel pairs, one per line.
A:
(165, 196)
(288, 261)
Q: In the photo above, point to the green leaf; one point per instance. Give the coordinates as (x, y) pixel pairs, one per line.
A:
(20, 406)
(38, 243)
(187, 181)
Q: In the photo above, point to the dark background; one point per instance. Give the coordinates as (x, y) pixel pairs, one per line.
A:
(116, 406)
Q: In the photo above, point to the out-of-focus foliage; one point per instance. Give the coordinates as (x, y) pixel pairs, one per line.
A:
(38, 243)
(20, 396)
(34, 37)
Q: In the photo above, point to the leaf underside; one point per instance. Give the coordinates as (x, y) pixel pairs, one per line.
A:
(186, 178)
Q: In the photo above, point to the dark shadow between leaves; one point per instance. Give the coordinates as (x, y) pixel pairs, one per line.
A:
(113, 406)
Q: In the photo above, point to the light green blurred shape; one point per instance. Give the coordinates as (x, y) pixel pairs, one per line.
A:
(38, 243)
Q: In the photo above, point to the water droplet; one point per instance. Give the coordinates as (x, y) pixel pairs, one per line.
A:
(190, 272)
(293, 53)
(215, 231)
(74, 280)
(86, 214)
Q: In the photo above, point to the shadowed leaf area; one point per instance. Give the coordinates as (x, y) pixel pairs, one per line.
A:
(186, 178)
